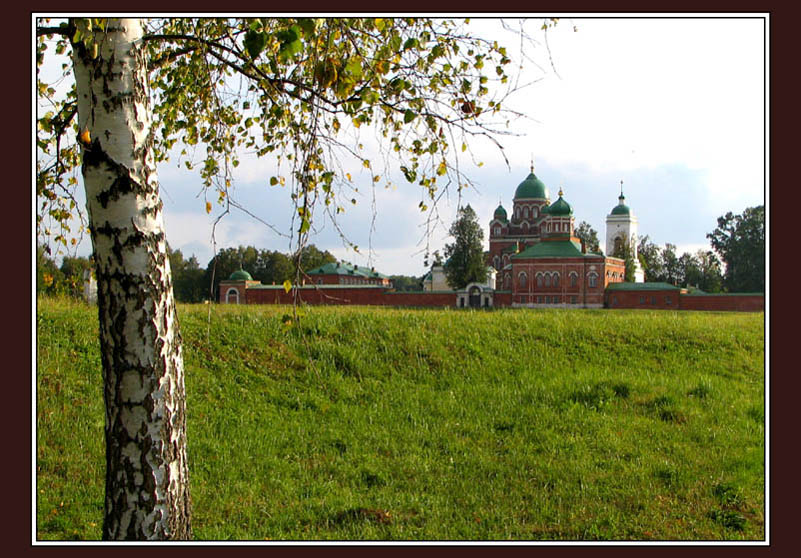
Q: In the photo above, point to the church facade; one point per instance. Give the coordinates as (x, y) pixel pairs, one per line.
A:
(538, 258)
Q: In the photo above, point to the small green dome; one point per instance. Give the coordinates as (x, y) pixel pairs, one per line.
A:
(621, 208)
(531, 187)
(240, 275)
(559, 208)
(500, 213)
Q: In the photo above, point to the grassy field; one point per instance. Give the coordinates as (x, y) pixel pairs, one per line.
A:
(368, 423)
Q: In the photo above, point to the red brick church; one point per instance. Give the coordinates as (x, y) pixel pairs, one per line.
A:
(539, 259)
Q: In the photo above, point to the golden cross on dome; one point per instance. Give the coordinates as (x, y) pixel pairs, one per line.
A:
(560, 192)
(532, 163)
(621, 188)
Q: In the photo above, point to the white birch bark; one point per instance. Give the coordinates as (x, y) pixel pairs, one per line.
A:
(147, 494)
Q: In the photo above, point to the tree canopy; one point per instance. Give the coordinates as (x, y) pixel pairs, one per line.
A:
(739, 240)
(589, 235)
(465, 262)
(298, 90)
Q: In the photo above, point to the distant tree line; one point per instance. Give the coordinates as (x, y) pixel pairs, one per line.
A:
(736, 262)
(66, 279)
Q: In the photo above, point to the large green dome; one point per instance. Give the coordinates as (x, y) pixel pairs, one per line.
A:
(531, 187)
(240, 275)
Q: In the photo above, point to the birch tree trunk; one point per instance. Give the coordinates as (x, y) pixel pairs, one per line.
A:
(147, 488)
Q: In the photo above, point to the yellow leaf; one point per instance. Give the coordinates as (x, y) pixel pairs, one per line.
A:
(366, 163)
(287, 285)
(347, 175)
(208, 207)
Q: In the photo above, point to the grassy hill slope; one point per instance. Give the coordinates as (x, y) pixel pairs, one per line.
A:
(368, 423)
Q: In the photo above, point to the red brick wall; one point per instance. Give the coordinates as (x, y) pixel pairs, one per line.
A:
(653, 300)
(353, 295)
(733, 302)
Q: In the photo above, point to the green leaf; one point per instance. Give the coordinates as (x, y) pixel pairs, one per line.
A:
(255, 43)
(304, 225)
(410, 175)
(409, 115)
(290, 42)
(354, 67)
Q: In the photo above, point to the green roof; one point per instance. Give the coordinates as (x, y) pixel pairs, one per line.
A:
(642, 287)
(554, 249)
(531, 187)
(314, 287)
(346, 269)
(500, 213)
(240, 275)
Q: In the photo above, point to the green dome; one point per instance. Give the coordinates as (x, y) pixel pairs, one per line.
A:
(531, 187)
(621, 208)
(500, 213)
(240, 275)
(559, 208)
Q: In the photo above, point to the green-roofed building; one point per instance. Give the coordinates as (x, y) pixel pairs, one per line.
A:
(539, 259)
(345, 273)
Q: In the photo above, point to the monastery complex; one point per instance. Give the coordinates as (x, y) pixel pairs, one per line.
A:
(534, 261)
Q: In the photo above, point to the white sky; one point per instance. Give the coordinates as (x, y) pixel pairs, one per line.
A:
(674, 107)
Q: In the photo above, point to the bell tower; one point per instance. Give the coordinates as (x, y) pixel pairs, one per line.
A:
(621, 227)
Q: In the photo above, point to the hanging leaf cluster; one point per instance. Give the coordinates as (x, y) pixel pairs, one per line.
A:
(300, 90)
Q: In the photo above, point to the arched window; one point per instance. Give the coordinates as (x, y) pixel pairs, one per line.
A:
(497, 231)
(555, 279)
(525, 227)
(505, 260)
(618, 245)
(573, 279)
(522, 279)
(547, 280)
(496, 261)
(592, 280)
(534, 212)
(525, 213)
(507, 282)
(232, 296)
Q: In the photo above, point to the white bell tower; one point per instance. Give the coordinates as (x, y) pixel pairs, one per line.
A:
(621, 225)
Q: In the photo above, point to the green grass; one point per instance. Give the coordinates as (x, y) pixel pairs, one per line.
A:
(369, 423)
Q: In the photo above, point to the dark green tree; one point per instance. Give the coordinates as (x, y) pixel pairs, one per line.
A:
(670, 265)
(465, 256)
(406, 283)
(187, 278)
(739, 240)
(650, 257)
(711, 271)
(274, 267)
(586, 233)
